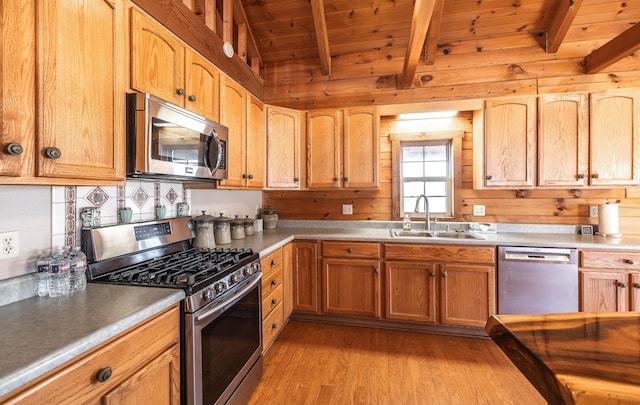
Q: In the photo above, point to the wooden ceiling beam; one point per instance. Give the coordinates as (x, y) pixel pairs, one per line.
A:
(420, 21)
(619, 47)
(320, 25)
(562, 20)
(431, 43)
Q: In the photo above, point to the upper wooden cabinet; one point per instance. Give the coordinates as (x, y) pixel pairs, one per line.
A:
(343, 149)
(163, 66)
(244, 115)
(506, 153)
(615, 138)
(283, 148)
(563, 140)
(70, 130)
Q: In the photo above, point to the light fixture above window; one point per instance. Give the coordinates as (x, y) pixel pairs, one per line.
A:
(427, 115)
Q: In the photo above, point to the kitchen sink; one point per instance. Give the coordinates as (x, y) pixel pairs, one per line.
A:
(397, 233)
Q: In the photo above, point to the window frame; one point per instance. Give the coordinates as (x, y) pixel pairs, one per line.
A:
(397, 141)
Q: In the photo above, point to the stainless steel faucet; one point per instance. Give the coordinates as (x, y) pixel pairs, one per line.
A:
(427, 223)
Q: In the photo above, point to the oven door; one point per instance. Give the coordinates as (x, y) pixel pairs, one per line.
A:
(223, 347)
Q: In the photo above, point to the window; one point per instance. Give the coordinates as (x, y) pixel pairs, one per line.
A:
(426, 169)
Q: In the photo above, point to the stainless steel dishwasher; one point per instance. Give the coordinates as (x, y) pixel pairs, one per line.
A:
(537, 280)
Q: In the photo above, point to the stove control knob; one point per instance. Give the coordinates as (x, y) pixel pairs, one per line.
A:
(236, 278)
(220, 287)
(207, 295)
(248, 271)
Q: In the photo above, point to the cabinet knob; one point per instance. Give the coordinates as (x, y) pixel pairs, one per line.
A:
(274, 326)
(489, 177)
(432, 273)
(274, 262)
(622, 285)
(376, 270)
(180, 92)
(636, 285)
(444, 274)
(52, 152)
(581, 176)
(274, 282)
(296, 179)
(345, 179)
(13, 148)
(103, 374)
(192, 98)
(335, 179)
(349, 250)
(250, 177)
(595, 176)
(244, 176)
(274, 301)
(628, 261)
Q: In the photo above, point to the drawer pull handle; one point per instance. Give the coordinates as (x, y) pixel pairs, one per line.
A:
(103, 374)
(349, 250)
(622, 285)
(628, 261)
(274, 262)
(274, 326)
(274, 301)
(274, 282)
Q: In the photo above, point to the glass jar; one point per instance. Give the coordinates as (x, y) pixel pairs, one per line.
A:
(222, 230)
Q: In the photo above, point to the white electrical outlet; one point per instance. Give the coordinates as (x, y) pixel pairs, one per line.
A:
(478, 210)
(593, 211)
(347, 209)
(9, 246)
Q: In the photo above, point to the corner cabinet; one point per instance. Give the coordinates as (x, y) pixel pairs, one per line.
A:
(505, 154)
(77, 110)
(163, 66)
(453, 285)
(343, 149)
(305, 281)
(139, 366)
(283, 148)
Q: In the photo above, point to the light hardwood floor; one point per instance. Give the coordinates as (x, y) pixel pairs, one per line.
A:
(315, 363)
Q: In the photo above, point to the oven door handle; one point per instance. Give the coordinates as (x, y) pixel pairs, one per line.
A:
(223, 305)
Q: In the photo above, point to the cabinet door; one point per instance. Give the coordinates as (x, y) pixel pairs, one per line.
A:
(603, 291)
(510, 142)
(156, 383)
(202, 86)
(283, 148)
(467, 294)
(17, 84)
(361, 150)
(563, 140)
(323, 149)
(81, 103)
(351, 287)
(287, 280)
(233, 115)
(634, 290)
(410, 291)
(615, 138)
(157, 60)
(255, 143)
(305, 277)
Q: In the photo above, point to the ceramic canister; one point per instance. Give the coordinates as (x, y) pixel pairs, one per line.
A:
(237, 228)
(270, 218)
(249, 229)
(222, 230)
(204, 232)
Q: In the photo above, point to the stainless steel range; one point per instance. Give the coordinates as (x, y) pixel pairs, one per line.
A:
(221, 327)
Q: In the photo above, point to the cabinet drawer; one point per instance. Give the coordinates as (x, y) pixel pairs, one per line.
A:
(610, 260)
(271, 262)
(77, 383)
(358, 250)
(271, 282)
(271, 301)
(449, 253)
(271, 326)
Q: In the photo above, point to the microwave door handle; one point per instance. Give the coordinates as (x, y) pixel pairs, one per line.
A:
(218, 146)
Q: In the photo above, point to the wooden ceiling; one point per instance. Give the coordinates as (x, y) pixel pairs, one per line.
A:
(325, 30)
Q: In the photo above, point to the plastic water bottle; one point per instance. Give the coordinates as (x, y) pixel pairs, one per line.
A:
(78, 268)
(42, 268)
(406, 223)
(59, 270)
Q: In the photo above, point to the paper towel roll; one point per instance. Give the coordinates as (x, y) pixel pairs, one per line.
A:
(608, 219)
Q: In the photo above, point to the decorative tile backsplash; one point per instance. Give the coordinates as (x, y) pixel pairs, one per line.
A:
(141, 196)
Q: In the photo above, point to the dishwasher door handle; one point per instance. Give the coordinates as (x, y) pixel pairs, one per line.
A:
(536, 257)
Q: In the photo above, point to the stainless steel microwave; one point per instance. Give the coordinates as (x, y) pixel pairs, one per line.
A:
(165, 141)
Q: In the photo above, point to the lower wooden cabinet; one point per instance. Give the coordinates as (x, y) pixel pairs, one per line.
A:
(351, 287)
(272, 297)
(609, 281)
(305, 276)
(410, 291)
(144, 366)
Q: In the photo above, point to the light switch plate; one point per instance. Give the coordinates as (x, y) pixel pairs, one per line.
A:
(478, 210)
(593, 211)
(347, 209)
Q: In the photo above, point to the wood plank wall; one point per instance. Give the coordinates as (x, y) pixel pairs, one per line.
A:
(540, 206)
